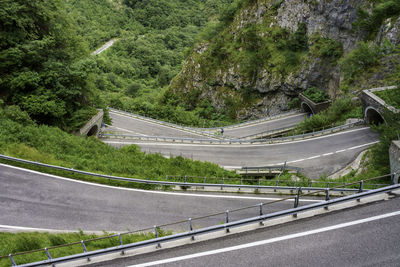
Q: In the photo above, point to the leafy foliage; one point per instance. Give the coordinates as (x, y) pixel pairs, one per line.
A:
(391, 97)
(382, 10)
(316, 95)
(42, 60)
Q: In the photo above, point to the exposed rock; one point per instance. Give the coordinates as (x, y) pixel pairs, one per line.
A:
(272, 89)
(333, 19)
(390, 30)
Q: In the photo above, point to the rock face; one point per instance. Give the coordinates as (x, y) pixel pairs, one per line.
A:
(332, 19)
(269, 84)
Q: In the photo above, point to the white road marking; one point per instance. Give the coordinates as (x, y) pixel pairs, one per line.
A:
(165, 126)
(126, 130)
(270, 241)
(331, 153)
(138, 142)
(150, 191)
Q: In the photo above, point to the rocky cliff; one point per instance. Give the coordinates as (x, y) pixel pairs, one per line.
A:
(270, 51)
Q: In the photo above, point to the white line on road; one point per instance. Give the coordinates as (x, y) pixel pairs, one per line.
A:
(126, 130)
(269, 241)
(149, 191)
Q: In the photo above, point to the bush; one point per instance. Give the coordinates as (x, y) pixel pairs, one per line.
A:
(316, 95)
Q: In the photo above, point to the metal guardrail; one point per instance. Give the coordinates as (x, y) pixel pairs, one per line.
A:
(232, 141)
(205, 130)
(192, 233)
(186, 183)
(267, 133)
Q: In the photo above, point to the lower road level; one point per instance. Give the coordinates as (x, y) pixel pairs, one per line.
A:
(317, 156)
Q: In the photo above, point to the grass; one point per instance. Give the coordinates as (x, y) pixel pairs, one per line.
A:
(390, 96)
(11, 243)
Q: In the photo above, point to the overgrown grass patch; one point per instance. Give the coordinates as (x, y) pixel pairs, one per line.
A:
(11, 243)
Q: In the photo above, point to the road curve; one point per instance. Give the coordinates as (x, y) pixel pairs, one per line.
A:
(129, 125)
(265, 126)
(318, 156)
(124, 123)
(363, 236)
(32, 199)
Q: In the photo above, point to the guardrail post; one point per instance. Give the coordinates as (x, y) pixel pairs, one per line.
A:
(84, 249)
(185, 179)
(360, 189)
(261, 212)
(296, 200)
(204, 180)
(156, 233)
(120, 243)
(227, 220)
(259, 182)
(47, 253)
(392, 178)
(191, 227)
(12, 260)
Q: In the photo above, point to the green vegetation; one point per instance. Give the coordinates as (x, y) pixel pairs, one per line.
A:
(43, 61)
(23, 138)
(340, 110)
(316, 95)
(382, 10)
(153, 38)
(20, 242)
(391, 97)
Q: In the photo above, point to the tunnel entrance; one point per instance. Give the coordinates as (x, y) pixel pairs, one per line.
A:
(372, 116)
(93, 131)
(306, 108)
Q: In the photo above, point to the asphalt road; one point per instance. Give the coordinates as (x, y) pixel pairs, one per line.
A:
(31, 199)
(317, 156)
(372, 242)
(130, 125)
(267, 126)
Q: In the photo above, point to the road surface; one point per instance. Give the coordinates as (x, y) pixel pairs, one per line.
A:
(362, 236)
(42, 201)
(318, 156)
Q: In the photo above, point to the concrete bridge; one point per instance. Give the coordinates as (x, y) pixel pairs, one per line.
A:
(374, 107)
(93, 126)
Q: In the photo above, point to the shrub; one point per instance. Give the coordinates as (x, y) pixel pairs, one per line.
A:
(316, 95)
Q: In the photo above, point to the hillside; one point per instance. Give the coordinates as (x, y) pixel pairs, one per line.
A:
(263, 53)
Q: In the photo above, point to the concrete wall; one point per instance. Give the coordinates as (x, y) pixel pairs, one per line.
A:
(93, 126)
(315, 107)
(394, 154)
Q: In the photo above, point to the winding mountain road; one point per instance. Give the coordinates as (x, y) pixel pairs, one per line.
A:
(43, 201)
(317, 156)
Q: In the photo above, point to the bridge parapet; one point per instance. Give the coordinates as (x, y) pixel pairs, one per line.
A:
(93, 126)
(374, 107)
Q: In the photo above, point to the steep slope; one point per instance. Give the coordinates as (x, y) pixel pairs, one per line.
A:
(268, 51)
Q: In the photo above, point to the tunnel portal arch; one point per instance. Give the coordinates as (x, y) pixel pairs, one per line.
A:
(373, 116)
(306, 108)
(93, 131)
